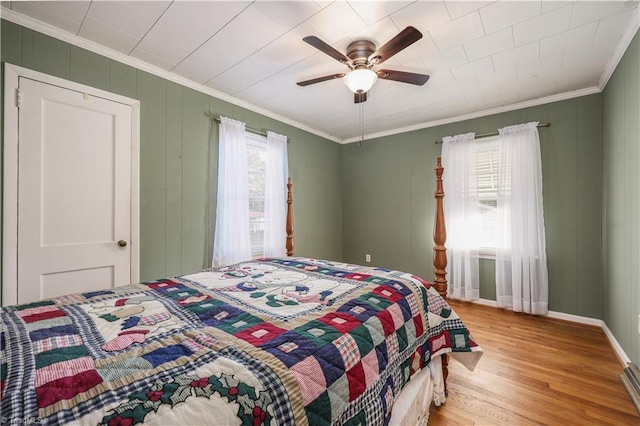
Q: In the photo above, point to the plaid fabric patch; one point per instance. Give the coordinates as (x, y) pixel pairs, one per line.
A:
(436, 303)
(413, 305)
(348, 350)
(192, 345)
(393, 349)
(70, 298)
(388, 399)
(56, 342)
(154, 319)
(206, 340)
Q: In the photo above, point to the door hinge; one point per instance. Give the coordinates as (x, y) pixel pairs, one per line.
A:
(18, 98)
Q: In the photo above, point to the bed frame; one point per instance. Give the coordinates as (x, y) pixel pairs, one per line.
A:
(439, 250)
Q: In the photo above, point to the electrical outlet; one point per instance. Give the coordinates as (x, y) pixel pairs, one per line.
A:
(367, 258)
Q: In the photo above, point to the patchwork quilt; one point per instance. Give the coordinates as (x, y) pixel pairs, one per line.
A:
(279, 341)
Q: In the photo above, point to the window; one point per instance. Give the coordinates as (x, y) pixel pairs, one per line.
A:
(256, 178)
(486, 162)
(252, 170)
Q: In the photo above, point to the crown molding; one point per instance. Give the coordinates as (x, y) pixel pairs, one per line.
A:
(75, 40)
(50, 30)
(621, 48)
(483, 113)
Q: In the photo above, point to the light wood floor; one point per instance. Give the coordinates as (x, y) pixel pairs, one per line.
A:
(535, 371)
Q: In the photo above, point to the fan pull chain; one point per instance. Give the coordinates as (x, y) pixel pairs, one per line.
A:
(361, 122)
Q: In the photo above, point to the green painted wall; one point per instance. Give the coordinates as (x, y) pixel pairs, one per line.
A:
(176, 211)
(388, 186)
(621, 197)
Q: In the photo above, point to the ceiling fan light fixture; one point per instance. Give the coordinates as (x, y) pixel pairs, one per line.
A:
(360, 80)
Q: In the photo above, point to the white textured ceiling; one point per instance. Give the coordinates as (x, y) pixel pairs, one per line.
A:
(480, 54)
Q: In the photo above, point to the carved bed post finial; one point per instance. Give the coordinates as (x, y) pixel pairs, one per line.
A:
(289, 227)
(440, 236)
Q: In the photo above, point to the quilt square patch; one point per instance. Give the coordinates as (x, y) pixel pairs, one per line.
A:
(440, 341)
(363, 339)
(396, 316)
(370, 367)
(393, 349)
(388, 293)
(290, 347)
(341, 321)
(337, 392)
(310, 379)
(374, 326)
(359, 309)
(259, 334)
(317, 332)
(332, 363)
(348, 350)
(388, 324)
(459, 339)
(317, 412)
(357, 381)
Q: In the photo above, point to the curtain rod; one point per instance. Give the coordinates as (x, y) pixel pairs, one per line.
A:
(486, 135)
(247, 128)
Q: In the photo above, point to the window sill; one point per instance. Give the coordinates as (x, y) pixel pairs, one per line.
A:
(487, 253)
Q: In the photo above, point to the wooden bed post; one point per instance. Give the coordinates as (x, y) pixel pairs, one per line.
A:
(440, 236)
(289, 226)
(440, 253)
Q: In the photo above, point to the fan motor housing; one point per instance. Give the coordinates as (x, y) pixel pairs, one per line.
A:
(359, 52)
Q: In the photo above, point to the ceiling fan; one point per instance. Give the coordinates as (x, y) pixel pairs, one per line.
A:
(361, 56)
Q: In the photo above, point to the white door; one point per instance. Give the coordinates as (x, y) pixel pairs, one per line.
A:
(74, 192)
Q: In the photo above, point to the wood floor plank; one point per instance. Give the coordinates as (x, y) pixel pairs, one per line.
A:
(535, 371)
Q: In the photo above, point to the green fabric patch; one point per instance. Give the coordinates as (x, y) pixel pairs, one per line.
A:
(363, 339)
(204, 306)
(359, 419)
(35, 305)
(60, 354)
(402, 338)
(312, 329)
(319, 411)
(239, 323)
(109, 317)
(459, 341)
(405, 369)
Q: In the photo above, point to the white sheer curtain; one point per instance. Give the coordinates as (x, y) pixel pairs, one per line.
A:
(461, 216)
(275, 195)
(521, 260)
(232, 242)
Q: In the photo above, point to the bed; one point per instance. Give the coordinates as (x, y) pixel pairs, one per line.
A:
(278, 341)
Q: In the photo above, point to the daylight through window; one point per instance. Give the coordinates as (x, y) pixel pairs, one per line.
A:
(257, 162)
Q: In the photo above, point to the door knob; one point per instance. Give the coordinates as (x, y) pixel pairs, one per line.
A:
(122, 243)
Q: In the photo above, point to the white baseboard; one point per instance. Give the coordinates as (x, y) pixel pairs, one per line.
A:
(620, 353)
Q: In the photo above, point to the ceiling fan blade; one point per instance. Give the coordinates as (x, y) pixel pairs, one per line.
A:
(320, 79)
(360, 97)
(325, 48)
(405, 38)
(404, 77)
